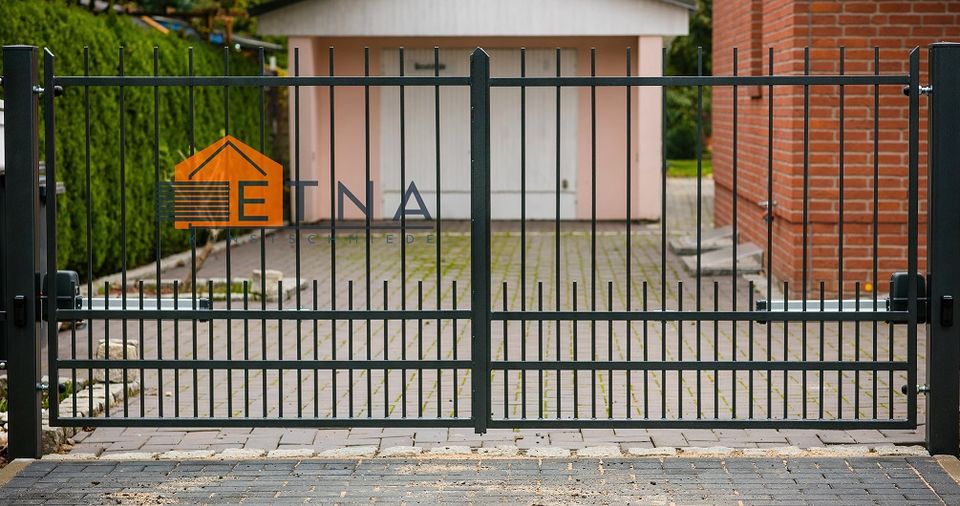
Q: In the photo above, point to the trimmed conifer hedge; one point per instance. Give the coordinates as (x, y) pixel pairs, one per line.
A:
(66, 30)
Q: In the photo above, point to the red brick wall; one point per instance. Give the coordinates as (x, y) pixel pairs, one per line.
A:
(788, 26)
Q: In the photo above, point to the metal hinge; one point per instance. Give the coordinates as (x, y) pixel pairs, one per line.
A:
(924, 90)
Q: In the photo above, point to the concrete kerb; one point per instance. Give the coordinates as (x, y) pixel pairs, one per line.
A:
(508, 451)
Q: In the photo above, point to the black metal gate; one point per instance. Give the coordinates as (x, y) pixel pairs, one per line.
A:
(612, 355)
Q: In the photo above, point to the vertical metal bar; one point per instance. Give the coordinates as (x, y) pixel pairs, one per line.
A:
(349, 349)
(750, 393)
(576, 348)
(140, 343)
(281, 370)
(158, 237)
(840, 242)
(523, 231)
(557, 268)
(228, 260)
(403, 233)
(210, 355)
(876, 221)
(367, 217)
(176, 348)
(769, 265)
(456, 345)
(680, 344)
(480, 235)
(123, 226)
(593, 231)
(506, 357)
(734, 198)
(386, 351)
(822, 350)
(89, 213)
(646, 357)
(246, 350)
(333, 239)
(806, 216)
(540, 406)
(193, 257)
(263, 237)
(610, 351)
(420, 350)
(629, 220)
(106, 340)
(316, 352)
(22, 213)
(663, 232)
(699, 149)
(52, 325)
(943, 354)
(856, 356)
(786, 355)
(439, 232)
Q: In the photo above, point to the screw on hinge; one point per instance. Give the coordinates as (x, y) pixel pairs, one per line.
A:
(768, 209)
(921, 389)
(3, 365)
(924, 90)
(57, 90)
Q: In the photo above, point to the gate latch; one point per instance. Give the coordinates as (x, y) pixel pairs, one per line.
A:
(946, 310)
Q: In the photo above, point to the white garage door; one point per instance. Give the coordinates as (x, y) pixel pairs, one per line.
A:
(420, 145)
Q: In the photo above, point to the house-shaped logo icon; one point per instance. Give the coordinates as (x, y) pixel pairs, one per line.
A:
(227, 184)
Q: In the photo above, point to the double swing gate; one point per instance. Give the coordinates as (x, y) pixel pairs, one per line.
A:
(557, 322)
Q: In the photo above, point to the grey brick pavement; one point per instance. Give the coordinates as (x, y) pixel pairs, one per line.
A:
(446, 393)
(851, 481)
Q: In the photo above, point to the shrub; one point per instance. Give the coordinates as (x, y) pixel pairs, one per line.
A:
(65, 30)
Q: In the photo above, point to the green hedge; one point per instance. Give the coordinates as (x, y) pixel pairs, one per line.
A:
(66, 30)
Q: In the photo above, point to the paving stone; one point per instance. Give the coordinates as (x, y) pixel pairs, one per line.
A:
(903, 451)
(401, 451)
(350, 452)
(70, 456)
(185, 455)
(601, 452)
(548, 452)
(128, 456)
(450, 450)
(710, 451)
(499, 451)
(291, 453)
(241, 453)
(662, 451)
(841, 451)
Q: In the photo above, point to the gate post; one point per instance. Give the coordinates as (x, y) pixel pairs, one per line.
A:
(20, 253)
(943, 245)
(480, 237)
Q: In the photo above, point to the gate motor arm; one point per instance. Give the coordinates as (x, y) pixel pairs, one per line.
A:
(897, 301)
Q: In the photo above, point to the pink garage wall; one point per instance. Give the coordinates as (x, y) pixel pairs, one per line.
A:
(610, 120)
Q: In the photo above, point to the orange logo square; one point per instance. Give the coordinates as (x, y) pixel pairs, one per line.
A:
(227, 184)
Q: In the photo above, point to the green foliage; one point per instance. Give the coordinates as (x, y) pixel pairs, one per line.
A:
(688, 168)
(66, 30)
(682, 56)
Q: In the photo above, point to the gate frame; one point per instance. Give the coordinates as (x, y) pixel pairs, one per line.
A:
(20, 283)
(943, 243)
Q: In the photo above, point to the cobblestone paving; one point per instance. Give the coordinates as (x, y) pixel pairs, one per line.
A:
(446, 393)
(489, 481)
